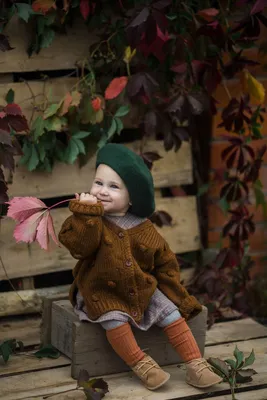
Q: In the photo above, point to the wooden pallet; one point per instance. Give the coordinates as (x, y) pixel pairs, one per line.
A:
(26, 377)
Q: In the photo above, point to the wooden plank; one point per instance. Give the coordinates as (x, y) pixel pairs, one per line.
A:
(26, 329)
(260, 394)
(175, 168)
(27, 362)
(11, 303)
(64, 52)
(182, 236)
(243, 329)
(46, 317)
(127, 387)
(70, 395)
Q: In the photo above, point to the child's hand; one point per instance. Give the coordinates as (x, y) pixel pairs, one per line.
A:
(86, 198)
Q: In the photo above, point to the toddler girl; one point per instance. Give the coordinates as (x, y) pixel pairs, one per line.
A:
(126, 273)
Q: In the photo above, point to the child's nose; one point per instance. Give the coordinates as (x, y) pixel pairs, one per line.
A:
(104, 190)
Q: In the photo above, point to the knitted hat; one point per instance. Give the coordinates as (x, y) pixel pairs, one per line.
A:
(134, 173)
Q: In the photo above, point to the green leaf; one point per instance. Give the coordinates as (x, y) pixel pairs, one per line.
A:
(122, 111)
(245, 375)
(5, 351)
(41, 151)
(80, 145)
(26, 149)
(220, 366)
(102, 141)
(223, 203)
(24, 11)
(171, 17)
(38, 127)
(55, 123)
(47, 351)
(232, 363)
(112, 129)
(203, 189)
(47, 38)
(81, 134)
(239, 356)
(10, 96)
(249, 360)
(72, 152)
(33, 160)
(51, 110)
(119, 125)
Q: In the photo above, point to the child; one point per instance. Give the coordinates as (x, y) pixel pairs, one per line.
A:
(126, 274)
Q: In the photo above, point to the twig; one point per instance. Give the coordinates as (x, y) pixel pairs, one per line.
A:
(11, 284)
(226, 89)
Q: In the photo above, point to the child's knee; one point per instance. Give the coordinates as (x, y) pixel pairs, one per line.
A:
(172, 317)
(107, 325)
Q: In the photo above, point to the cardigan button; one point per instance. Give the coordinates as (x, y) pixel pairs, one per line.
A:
(149, 279)
(111, 284)
(131, 292)
(90, 222)
(121, 235)
(134, 313)
(171, 274)
(94, 297)
(128, 263)
(107, 241)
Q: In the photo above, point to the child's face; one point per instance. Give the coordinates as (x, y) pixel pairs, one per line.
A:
(109, 188)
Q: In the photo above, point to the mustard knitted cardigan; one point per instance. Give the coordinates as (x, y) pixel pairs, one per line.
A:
(120, 269)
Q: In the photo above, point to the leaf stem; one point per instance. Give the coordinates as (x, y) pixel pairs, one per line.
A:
(11, 284)
(60, 202)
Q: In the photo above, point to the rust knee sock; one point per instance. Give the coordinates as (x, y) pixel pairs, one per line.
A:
(182, 339)
(124, 344)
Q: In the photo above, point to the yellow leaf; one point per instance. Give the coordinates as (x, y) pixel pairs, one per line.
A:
(128, 54)
(252, 86)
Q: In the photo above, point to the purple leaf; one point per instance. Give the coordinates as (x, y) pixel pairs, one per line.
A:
(150, 122)
(140, 18)
(161, 4)
(258, 6)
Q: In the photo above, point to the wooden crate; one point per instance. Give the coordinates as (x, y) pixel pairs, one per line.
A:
(87, 346)
(24, 262)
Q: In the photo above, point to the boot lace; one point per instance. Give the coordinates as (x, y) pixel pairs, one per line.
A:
(204, 364)
(151, 364)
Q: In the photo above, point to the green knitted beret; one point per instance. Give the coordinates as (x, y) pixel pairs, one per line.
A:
(134, 173)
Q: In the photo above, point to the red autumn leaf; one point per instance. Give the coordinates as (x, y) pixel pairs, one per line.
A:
(44, 229)
(21, 208)
(43, 6)
(115, 87)
(66, 104)
(34, 221)
(208, 14)
(13, 109)
(85, 8)
(96, 104)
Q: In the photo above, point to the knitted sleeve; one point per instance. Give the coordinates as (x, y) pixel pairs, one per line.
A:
(81, 232)
(167, 273)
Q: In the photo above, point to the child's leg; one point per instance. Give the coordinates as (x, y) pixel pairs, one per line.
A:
(198, 371)
(124, 344)
(180, 336)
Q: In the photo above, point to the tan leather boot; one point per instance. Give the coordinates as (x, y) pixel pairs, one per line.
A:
(150, 373)
(200, 374)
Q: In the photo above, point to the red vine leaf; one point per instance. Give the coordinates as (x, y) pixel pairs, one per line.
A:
(34, 221)
(85, 8)
(43, 6)
(115, 87)
(13, 109)
(161, 218)
(208, 14)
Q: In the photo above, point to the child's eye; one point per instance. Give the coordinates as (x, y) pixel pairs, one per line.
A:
(114, 186)
(98, 183)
